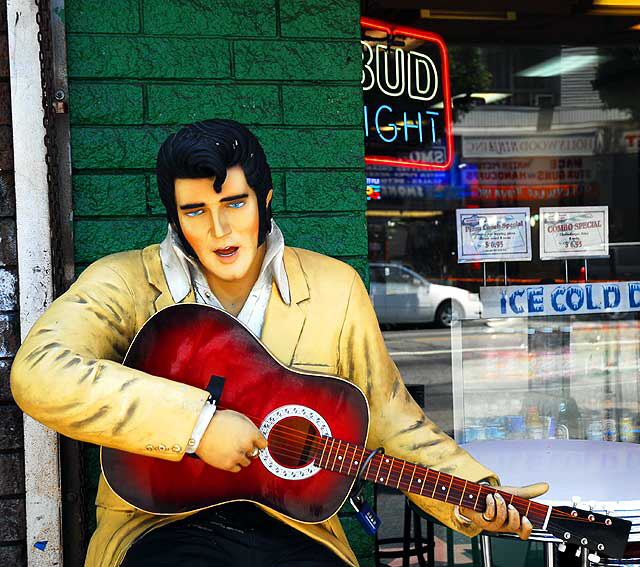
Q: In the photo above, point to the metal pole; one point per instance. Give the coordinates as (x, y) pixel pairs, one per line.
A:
(33, 224)
(586, 271)
(549, 554)
(505, 273)
(487, 560)
(484, 274)
(584, 557)
(566, 272)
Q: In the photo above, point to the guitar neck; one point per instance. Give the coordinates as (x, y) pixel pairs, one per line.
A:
(345, 458)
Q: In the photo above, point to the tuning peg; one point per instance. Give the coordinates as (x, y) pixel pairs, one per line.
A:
(593, 557)
(562, 547)
(578, 552)
(575, 500)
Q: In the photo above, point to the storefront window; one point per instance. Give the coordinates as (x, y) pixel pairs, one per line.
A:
(534, 126)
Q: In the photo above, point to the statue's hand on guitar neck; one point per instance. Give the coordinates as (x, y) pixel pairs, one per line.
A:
(230, 441)
(502, 517)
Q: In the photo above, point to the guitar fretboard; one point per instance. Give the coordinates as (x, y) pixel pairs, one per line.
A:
(346, 458)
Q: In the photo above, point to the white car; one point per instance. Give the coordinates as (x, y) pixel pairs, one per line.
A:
(400, 295)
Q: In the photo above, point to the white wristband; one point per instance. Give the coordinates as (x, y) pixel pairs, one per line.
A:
(206, 415)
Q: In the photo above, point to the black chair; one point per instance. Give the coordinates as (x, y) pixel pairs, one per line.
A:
(412, 544)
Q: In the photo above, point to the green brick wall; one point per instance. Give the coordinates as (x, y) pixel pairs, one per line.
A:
(289, 69)
(139, 69)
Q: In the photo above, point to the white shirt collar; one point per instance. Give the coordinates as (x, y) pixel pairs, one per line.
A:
(183, 272)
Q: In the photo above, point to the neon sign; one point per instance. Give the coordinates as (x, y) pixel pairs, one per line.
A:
(407, 109)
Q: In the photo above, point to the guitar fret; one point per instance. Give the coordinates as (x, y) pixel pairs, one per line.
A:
(326, 441)
(390, 470)
(463, 490)
(480, 501)
(333, 441)
(345, 453)
(415, 467)
(352, 458)
(477, 496)
(404, 464)
(435, 485)
(446, 498)
(364, 452)
(528, 506)
(366, 474)
(335, 458)
(379, 466)
(358, 463)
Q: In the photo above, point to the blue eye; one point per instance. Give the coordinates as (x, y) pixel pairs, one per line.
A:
(194, 213)
(237, 205)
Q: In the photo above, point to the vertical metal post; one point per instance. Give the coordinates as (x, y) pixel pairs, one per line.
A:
(566, 271)
(505, 273)
(586, 271)
(457, 382)
(487, 559)
(549, 554)
(584, 557)
(484, 274)
(33, 224)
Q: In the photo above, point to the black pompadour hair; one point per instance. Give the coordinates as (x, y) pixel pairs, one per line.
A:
(208, 149)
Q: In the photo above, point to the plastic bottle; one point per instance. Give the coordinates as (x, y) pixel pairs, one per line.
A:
(562, 425)
(627, 429)
(594, 425)
(609, 425)
(535, 427)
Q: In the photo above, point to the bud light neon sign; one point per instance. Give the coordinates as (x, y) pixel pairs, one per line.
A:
(407, 97)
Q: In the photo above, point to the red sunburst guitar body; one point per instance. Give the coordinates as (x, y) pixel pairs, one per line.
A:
(189, 343)
(316, 429)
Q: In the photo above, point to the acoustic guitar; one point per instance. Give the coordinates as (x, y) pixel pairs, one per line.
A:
(316, 429)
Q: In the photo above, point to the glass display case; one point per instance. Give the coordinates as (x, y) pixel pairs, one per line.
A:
(547, 378)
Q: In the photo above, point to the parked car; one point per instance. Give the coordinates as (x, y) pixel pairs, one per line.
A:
(400, 295)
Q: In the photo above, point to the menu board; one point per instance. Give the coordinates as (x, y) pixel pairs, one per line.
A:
(493, 235)
(574, 232)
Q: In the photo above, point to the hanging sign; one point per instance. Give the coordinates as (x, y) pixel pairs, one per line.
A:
(407, 98)
(493, 235)
(564, 299)
(574, 232)
(578, 144)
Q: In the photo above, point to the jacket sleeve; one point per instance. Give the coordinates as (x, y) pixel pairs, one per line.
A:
(397, 423)
(67, 373)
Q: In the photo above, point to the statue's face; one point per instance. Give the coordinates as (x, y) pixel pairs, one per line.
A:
(222, 228)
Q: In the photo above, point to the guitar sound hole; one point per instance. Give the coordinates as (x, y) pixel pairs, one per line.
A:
(293, 442)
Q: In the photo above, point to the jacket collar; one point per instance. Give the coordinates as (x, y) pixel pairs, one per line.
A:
(283, 323)
(181, 271)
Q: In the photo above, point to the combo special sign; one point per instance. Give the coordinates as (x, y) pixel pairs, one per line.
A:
(563, 299)
(407, 97)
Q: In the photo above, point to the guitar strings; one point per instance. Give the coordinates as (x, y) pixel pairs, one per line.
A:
(315, 442)
(285, 448)
(279, 442)
(351, 449)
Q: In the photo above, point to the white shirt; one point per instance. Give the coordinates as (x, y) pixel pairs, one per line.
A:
(184, 273)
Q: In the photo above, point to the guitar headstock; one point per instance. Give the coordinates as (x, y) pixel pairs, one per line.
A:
(599, 533)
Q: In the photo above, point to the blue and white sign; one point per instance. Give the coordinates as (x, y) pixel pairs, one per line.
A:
(563, 299)
(493, 235)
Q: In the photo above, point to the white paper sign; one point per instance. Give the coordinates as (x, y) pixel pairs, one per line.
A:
(574, 232)
(493, 235)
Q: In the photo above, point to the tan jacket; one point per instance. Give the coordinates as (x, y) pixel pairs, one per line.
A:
(68, 375)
